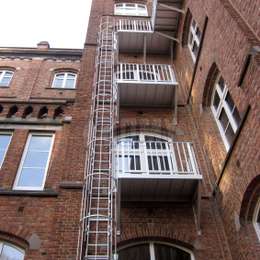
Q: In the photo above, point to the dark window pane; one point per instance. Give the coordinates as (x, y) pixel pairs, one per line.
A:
(221, 83)
(198, 33)
(166, 161)
(236, 116)
(155, 163)
(229, 101)
(150, 163)
(138, 163)
(216, 100)
(223, 119)
(230, 134)
(139, 252)
(195, 49)
(164, 252)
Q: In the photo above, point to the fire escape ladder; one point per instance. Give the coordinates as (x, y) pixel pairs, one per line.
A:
(97, 233)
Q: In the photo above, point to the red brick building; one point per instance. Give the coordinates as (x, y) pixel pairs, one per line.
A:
(143, 145)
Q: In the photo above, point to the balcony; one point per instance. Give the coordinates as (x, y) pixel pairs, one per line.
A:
(146, 85)
(132, 34)
(156, 170)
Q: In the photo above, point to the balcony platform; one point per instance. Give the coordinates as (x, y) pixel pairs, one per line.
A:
(146, 85)
(135, 35)
(158, 188)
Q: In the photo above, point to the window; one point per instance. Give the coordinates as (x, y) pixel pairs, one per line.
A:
(194, 40)
(5, 139)
(256, 219)
(225, 112)
(5, 77)
(64, 80)
(35, 160)
(130, 9)
(154, 251)
(10, 252)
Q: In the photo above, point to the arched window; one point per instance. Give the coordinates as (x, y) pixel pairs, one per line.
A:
(154, 251)
(256, 219)
(130, 9)
(225, 112)
(10, 252)
(5, 77)
(64, 80)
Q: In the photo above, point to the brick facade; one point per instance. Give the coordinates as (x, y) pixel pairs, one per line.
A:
(46, 223)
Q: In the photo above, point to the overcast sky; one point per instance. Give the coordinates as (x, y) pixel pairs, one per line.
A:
(63, 23)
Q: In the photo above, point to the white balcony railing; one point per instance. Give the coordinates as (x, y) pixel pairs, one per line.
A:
(155, 159)
(145, 73)
(139, 26)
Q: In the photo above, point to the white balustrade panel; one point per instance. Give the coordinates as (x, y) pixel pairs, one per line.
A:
(155, 158)
(145, 73)
(130, 25)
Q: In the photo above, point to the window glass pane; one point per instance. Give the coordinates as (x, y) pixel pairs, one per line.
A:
(230, 135)
(36, 159)
(11, 253)
(31, 177)
(138, 252)
(223, 119)
(216, 100)
(195, 49)
(70, 83)
(57, 83)
(8, 74)
(258, 217)
(40, 143)
(221, 83)
(229, 101)
(198, 33)
(193, 24)
(236, 116)
(5, 81)
(164, 252)
(4, 141)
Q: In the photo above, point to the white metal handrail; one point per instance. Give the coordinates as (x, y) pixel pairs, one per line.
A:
(151, 158)
(145, 73)
(130, 25)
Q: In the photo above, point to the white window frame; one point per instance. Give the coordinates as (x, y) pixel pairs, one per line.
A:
(2, 244)
(195, 39)
(16, 186)
(255, 223)
(152, 248)
(66, 73)
(123, 9)
(7, 147)
(223, 105)
(3, 75)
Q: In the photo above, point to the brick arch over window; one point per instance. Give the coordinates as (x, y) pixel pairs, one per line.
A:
(176, 239)
(249, 201)
(186, 28)
(15, 234)
(209, 86)
(144, 128)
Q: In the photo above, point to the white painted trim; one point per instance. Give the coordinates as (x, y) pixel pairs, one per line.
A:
(2, 243)
(64, 79)
(223, 105)
(151, 247)
(2, 75)
(16, 187)
(122, 9)
(255, 223)
(7, 147)
(192, 31)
